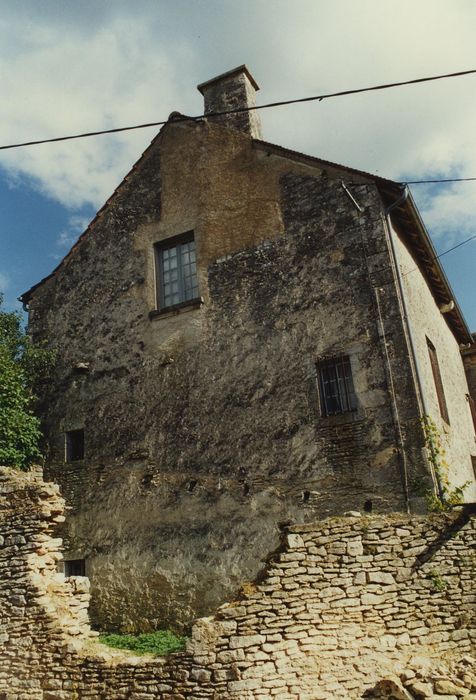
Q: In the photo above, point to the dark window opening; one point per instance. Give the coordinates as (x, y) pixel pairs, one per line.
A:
(74, 445)
(368, 506)
(191, 485)
(336, 386)
(176, 267)
(306, 495)
(75, 567)
(435, 368)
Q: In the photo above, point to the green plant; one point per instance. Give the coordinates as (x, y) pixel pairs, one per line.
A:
(439, 584)
(23, 367)
(447, 498)
(159, 643)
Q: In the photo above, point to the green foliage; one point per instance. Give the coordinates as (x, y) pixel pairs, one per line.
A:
(438, 582)
(437, 456)
(159, 643)
(23, 367)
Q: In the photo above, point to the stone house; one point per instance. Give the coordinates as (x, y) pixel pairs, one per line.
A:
(246, 335)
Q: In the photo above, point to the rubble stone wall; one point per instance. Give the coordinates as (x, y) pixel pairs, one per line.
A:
(340, 605)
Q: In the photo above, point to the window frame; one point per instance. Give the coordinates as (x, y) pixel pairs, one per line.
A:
(438, 380)
(177, 243)
(346, 394)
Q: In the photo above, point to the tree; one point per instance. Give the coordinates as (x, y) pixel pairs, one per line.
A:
(23, 367)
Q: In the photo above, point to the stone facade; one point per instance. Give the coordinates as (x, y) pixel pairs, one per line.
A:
(202, 423)
(376, 605)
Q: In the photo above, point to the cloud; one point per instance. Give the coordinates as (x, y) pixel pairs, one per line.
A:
(4, 282)
(69, 235)
(72, 67)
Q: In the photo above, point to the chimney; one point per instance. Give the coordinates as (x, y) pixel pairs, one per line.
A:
(233, 90)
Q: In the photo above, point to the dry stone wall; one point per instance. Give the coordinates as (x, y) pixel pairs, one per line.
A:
(380, 605)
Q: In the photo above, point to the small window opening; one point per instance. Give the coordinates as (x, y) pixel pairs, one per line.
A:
(246, 489)
(191, 485)
(306, 495)
(336, 386)
(74, 445)
(368, 506)
(435, 368)
(75, 567)
(176, 266)
(146, 480)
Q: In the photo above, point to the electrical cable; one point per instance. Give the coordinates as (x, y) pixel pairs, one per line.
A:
(428, 182)
(436, 257)
(326, 96)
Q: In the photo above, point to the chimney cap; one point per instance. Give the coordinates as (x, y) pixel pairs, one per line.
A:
(239, 69)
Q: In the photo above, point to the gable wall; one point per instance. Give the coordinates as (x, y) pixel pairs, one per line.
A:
(202, 428)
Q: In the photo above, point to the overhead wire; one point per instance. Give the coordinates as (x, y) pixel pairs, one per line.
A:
(436, 257)
(325, 96)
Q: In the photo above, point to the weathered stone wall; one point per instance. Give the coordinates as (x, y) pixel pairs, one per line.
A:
(340, 605)
(202, 428)
(427, 322)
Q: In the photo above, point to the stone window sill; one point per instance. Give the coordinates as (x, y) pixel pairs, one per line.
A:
(176, 309)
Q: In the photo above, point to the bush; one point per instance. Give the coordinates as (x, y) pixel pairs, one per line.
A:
(22, 368)
(158, 643)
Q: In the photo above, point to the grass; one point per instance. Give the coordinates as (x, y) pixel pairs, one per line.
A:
(158, 643)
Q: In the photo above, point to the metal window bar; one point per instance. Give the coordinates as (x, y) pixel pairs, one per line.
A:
(336, 386)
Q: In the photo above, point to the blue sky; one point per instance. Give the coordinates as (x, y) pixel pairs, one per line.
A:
(71, 67)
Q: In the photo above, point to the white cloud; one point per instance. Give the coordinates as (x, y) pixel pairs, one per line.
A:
(108, 64)
(69, 235)
(4, 282)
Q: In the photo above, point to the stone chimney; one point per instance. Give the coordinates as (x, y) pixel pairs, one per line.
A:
(232, 90)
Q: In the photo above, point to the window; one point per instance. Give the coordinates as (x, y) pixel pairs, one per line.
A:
(75, 567)
(336, 388)
(435, 368)
(74, 444)
(176, 272)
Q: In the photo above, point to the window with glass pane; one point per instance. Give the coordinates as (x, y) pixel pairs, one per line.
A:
(177, 268)
(336, 387)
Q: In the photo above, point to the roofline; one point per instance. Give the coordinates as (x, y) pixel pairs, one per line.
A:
(441, 272)
(25, 297)
(388, 188)
(313, 160)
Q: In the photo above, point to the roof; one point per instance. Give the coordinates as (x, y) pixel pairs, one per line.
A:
(405, 215)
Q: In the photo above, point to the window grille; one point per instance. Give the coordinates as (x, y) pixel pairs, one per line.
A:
(177, 273)
(336, 387)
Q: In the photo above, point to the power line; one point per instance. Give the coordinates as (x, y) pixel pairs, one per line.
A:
(436, 257)
(428, 182)
(281, 103)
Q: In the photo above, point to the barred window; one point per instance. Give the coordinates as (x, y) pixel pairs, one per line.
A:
(336, 387)
(177, 272)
